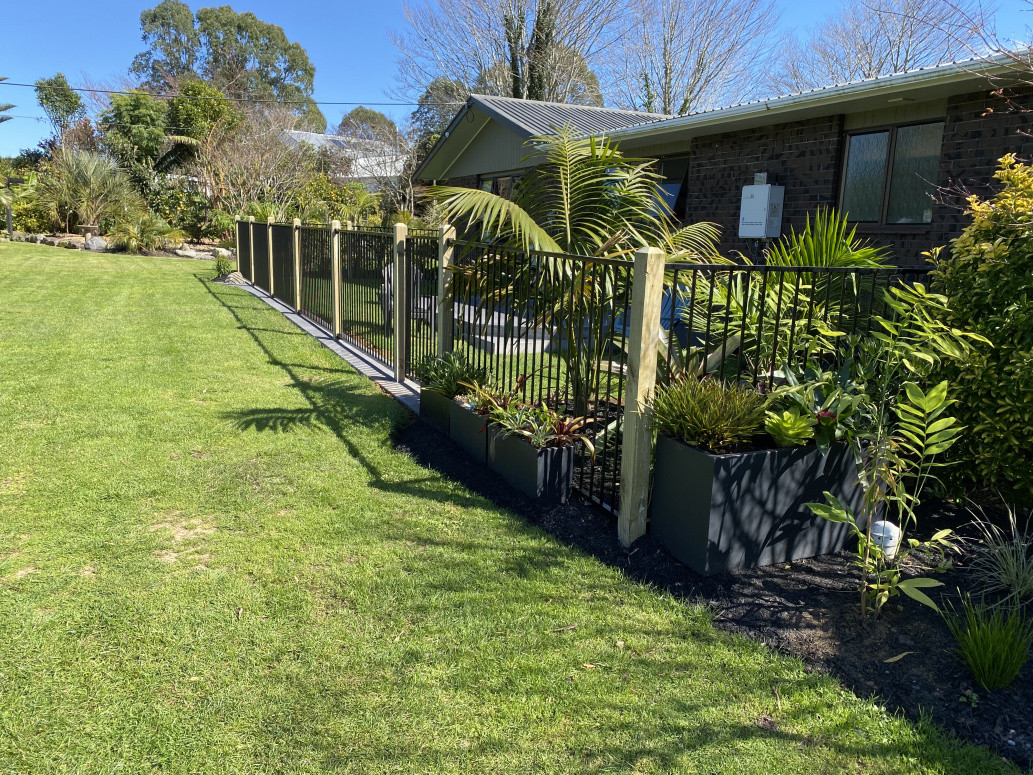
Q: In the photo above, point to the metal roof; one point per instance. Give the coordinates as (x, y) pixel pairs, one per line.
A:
(532, 118)
(999, 65)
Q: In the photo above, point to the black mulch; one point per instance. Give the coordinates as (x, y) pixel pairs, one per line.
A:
(809, 609)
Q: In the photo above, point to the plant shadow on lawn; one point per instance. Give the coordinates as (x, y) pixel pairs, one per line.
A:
(741, 601)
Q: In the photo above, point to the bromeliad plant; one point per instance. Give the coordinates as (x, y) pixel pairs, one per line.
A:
(541, 427)
(898, 438)
(709, 414)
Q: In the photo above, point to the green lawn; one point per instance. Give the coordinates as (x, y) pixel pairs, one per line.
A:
(212, 560)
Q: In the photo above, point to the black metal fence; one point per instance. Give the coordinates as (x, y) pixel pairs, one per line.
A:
(553, 328)
(751, 323)
(244, 249)
(260, 238)
(316, 258)
(421, 252)
(283, 263)
(367, 261)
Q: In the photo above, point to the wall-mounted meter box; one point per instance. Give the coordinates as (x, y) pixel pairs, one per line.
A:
(760, 216)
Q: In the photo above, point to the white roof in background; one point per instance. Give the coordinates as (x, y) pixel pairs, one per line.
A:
(370, 159)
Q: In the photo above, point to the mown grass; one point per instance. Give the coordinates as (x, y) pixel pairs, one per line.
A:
(212, 560)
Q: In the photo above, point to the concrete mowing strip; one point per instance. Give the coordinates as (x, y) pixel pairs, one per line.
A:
(407, 393)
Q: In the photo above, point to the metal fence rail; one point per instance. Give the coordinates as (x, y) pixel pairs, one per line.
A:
(283, 263)
(260, 238)
(366, 268)
(315, 251)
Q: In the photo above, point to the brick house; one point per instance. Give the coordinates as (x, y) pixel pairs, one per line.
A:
(892, 151)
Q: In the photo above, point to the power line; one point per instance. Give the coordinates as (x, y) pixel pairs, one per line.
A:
(233, 99)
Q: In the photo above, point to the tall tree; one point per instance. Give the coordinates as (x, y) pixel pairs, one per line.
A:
(237, 53)
(536, 49)
(362, 123)
(59, 101)
(686, 55)
(864, 40)
(4, 107)
(134, 128)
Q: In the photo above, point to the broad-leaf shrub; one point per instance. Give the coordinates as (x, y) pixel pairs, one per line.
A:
(988, 280)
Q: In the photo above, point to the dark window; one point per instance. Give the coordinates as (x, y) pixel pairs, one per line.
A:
(502, 186)
(890, 175)
(674, 173)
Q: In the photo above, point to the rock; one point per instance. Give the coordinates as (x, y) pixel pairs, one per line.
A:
(185, 253)
(223, 253)
(20, 236)
(36, 239)
(51, 241)
(69, 245)
(96, 244)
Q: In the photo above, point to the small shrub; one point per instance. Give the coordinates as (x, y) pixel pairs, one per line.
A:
(709, 414)
(994, 641)
(144, 233)
(447, 373)
(1006, 562)
(223, 266)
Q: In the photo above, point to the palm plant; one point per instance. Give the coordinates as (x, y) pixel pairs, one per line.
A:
(584, 198)
(88, 186)
(144, 232)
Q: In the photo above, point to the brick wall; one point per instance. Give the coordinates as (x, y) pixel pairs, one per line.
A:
(802, 156)
(979, 129)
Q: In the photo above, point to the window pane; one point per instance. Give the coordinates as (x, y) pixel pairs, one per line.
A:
(865, 176)
(916, 162)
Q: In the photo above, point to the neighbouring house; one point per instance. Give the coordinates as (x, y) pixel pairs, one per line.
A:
(895, 152)
(374, 163)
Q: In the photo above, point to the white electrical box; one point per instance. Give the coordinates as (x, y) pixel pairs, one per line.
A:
(760, 216)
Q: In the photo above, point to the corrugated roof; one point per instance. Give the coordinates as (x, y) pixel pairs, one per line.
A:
(532, 118)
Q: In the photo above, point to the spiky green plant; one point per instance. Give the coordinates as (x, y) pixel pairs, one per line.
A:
(709, 413)
(993, 640)
(88, 186)
(144, 232)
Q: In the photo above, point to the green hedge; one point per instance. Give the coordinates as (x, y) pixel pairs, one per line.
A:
(989, 282)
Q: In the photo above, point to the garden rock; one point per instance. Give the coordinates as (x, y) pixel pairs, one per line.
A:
(223, 253)
(185, 253)
(19, 236)
(96, 244)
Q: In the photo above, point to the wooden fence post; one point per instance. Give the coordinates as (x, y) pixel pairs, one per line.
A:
(297, 264)
(446, 289)
(236, 238)
(335, 278)
(644, 339)
(251, 247)
(269, 253)
(400, 304)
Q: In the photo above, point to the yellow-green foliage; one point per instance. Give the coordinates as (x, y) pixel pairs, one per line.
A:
(989, 281)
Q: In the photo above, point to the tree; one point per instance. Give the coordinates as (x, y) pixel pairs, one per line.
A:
(363, 123)
(134, 128)
(59, 101)
(532, 49)
(435, 108)
(865, 40)
(237, 53)
(4, 107)
(686, 55)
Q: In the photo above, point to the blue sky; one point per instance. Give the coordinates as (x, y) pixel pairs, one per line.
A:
(347, 42)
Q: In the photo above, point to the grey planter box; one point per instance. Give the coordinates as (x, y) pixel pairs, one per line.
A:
(470, 431)
(542, 474)
(720, 513)
(435, 408)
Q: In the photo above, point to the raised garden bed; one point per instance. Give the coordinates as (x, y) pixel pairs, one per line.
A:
(470, 431)
(718, 513)
(544, 475)
(435, 409)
